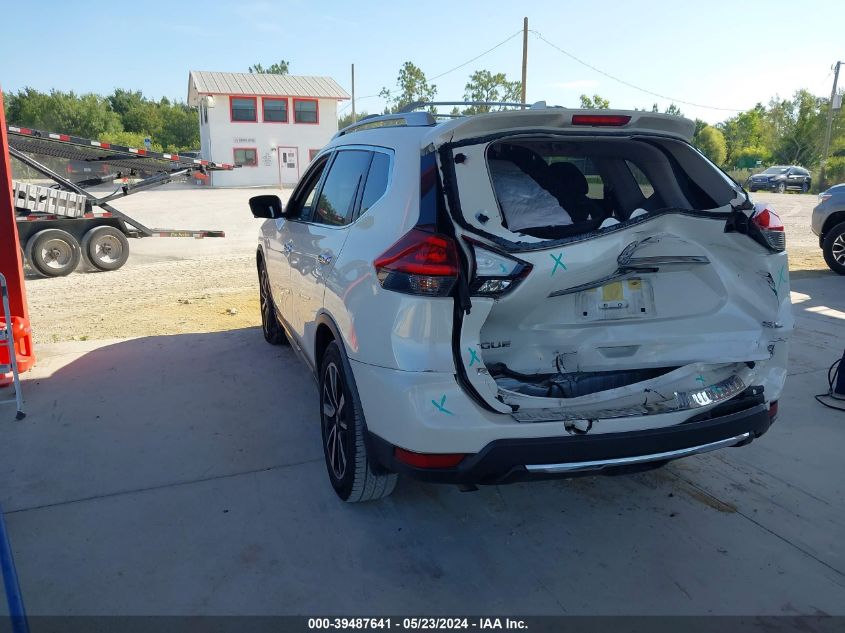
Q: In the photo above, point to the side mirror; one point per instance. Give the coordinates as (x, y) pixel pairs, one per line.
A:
(269, 207)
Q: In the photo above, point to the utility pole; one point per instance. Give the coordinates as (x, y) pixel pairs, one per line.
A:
(830, 118)
(525, 57)
(353, 94)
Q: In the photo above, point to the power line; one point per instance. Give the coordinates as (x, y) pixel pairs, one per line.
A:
(489, 50)
(630, 85)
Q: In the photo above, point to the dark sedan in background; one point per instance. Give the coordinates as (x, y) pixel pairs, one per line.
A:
(781, 178)
(828, 222)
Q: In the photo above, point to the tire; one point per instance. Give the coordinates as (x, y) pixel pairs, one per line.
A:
(782, 187)
(270, 327)
(805, 187)
(833, 248)
(105, 248)
(53, 252)
(342, 426)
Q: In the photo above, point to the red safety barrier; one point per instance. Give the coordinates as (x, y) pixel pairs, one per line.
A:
(10, 257)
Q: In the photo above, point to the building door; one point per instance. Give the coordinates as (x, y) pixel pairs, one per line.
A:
(288, 165)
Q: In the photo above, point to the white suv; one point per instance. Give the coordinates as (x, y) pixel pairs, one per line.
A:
(524, 294)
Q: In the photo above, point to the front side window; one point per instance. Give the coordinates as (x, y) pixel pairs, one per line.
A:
(337, 198)
(246, 156)
(243, 108)
(303, 197)
(275, 110)
(305, 111)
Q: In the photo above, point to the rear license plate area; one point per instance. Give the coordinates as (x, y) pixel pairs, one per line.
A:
(623, 299)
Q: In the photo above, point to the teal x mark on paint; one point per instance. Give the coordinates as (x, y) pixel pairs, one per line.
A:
(701, 380)
(781, 279)
(473, 357)
(558, 262)
(442, 406)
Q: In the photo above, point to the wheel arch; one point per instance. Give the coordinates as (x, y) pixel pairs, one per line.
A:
(326, 332)
(834, 219)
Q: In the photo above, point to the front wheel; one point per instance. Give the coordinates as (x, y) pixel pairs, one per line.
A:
(352, 475)
(833, 248)
(270, 327)
(782, 188)
(805, 187)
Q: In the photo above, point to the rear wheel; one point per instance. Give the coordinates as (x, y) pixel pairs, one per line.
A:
(105, 248)
(833, 248)
(53, 252)
(352, 475)
(273, 332)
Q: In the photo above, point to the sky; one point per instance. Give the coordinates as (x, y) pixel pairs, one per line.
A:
(723, 56)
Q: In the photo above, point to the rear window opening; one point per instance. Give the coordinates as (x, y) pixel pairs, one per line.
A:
(552, 188)
(570, 384)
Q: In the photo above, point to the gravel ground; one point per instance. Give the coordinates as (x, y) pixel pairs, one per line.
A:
(177, 285)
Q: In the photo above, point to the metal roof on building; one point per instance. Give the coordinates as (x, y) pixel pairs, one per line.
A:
(206, 82)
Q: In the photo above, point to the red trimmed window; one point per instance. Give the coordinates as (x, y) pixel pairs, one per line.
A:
(306, 111)
(275, 110)
(243, 109)
(312, 153)
(246, 156)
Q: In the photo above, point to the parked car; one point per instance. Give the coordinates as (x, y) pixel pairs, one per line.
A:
(475, 312)
(828, 222)
(781, 178)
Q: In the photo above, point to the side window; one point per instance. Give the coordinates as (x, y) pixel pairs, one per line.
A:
(245, 156)
(377, 180)
(302, 199)
(337, 197)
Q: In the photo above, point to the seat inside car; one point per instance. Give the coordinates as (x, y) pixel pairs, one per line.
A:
(566, 183)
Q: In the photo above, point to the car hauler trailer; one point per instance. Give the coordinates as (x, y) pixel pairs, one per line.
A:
(63, 223)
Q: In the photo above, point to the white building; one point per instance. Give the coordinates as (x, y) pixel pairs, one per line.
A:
(271, 125)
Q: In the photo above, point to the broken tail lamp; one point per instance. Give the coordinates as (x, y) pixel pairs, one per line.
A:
(419, 263)
(771, 227)
(495, 274)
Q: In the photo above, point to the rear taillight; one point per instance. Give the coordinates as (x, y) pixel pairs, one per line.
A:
(770, 226)
(601, 120)
(420, 263)
(495, 274)
(428, 460)
(773, 410)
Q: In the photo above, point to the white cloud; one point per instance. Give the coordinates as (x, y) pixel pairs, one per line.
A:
(577, 84)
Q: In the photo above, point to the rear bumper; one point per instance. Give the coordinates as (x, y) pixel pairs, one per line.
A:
(509, 460)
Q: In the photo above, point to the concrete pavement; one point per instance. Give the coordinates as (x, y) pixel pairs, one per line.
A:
(184, 475)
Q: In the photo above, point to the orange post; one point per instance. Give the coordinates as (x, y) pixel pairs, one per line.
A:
(10, 258)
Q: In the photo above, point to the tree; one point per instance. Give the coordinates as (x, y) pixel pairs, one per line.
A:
(485, 86)
(346, 119)
(596, 102)
(411, 86)
(86, 115)
(673, 109)
(280, 68)
(711, 142)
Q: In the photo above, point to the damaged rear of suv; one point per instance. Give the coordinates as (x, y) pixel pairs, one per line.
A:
(567, 292)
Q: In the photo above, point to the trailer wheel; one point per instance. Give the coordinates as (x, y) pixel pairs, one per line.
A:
(53, 252)
(105, 248)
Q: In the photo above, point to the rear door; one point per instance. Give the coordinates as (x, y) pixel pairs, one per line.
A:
(317, 241)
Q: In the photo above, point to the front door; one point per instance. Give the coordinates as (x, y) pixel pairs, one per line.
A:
(288, 165)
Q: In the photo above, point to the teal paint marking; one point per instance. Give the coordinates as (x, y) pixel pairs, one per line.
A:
(701, 380)
(473, 357)
(781, 280)
(558, 262)
(504, 268)
(442, 406)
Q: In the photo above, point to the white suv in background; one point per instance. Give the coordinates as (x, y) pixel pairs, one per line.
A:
(524, 294)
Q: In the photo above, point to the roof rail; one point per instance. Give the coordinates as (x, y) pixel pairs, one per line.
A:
(401, 119)
(416, 105)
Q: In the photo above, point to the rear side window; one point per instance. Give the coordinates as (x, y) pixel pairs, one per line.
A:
(377, 180)
(337, 198)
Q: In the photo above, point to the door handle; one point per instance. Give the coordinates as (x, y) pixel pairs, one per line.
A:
(324, 258)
